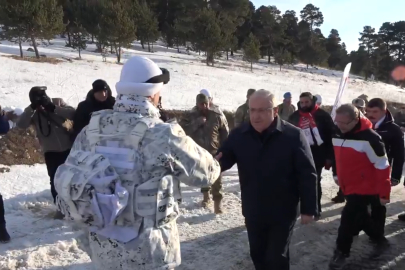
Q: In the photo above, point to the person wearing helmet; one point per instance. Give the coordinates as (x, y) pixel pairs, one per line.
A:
(286, 109)
(213, 106)
(123, 176)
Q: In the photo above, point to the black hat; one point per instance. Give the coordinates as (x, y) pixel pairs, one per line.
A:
(100, 85)
(37, 91)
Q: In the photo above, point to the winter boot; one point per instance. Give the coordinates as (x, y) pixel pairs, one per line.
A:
(338, 261)
(218, 207)
(206, 200)
(58, 215)
(380, 247)
(401, 217)
(4, 236)
(338, 199)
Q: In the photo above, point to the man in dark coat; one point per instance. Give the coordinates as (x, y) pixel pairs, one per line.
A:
(98, 98)
(393, 138)
(318, 129)
(276, 171)
(4, 236)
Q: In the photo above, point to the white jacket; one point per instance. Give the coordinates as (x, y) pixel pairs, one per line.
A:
(123, 177)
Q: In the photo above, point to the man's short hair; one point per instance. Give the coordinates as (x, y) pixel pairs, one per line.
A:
(377, 102)
(266, 95)
(350, 110)
(359, 103)
(250, 92)
(201, 98)
(307, 94)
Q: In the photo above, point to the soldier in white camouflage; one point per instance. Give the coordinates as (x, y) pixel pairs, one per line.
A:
(209, 129)
(123, 176)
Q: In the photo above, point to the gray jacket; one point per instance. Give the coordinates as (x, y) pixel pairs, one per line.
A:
(57, 139)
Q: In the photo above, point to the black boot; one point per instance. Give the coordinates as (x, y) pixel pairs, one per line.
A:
(401, 217)
(380, 247)
(340, 198)
(338, 261)
(4, 236)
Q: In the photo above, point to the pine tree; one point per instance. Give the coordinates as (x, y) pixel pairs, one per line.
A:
(207, 35)
(148, 31)
(117, 25)
(33, 19)
(313, 16)
(282, 57)
(251, 50)
(79, 38)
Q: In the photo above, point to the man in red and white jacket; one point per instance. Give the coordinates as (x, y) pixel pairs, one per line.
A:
(363, 174)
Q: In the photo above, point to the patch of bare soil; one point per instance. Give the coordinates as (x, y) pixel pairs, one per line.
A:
(49, 60)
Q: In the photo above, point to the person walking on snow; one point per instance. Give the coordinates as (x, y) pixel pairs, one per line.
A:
(209, 130)
(98, 98)
(242, 113)
(363, 173)
(4, 236)
(52, 121)
(393, 138)
(123, 176)
(286, 109)
(318, 128)
(276, 171)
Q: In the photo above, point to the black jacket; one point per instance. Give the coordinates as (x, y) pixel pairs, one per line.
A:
(276, 171)
(326, 128)
(393, 139)
(86, 108)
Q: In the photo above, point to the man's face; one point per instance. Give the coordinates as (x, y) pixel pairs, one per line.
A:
(155, 99)
(287, 101)
(375, 114)
(305, 103)
(101, 96)
(203, 107)
(345, 123)
(402, 109)
(261, 113)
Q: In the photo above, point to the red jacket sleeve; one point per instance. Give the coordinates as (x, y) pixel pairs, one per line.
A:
(377, 156)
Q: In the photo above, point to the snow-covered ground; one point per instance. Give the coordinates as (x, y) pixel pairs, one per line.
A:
(208, 241)
(228, 80)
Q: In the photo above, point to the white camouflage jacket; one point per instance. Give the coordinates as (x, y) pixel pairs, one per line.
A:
(122, 178)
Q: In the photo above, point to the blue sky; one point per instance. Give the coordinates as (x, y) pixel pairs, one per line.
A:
(347, 16)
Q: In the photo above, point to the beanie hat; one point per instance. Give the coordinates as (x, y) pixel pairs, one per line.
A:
(201, 98)
(141, 76)
(287, 95)
(206, 93)
(318, 99)
(100, 85)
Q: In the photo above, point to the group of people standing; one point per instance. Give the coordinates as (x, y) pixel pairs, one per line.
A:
(116, 166)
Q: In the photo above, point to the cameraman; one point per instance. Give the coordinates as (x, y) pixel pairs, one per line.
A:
(52, 121)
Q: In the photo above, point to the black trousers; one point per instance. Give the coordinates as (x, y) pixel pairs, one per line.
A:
(355, 218)
(2, 214)
(379, 215)
(319, 190)
(269, 244)
(53, 160)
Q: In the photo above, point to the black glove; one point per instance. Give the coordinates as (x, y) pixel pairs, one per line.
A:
(46, 102)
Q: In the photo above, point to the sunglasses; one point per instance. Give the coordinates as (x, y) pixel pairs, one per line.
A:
(163, 78)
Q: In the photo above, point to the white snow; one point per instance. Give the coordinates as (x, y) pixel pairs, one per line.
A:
(208, 241)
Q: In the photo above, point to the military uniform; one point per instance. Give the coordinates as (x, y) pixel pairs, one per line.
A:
(209, 135)
(242, 115)
(123, 176)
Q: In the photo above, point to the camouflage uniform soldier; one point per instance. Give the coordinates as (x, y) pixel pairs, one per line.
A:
(123, 176)
(209, 130)
(242, 113)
